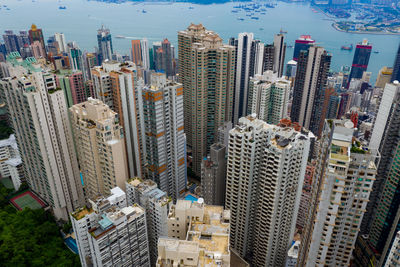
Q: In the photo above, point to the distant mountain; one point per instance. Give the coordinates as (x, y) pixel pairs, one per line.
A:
(200, 2)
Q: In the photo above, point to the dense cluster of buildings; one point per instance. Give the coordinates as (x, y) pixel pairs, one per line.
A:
(296, 166)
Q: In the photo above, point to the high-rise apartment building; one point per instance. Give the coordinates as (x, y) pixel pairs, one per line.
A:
(360, 60)
(213, 175)
(73, 85)
(36, 34)
(111, 233)
(268, 97)
(136, 52)
(11, 42)
(164, 59)
(37, 50)
(165, 139)
(384, 77)
(279, 54)
(344, 187)
(42, 128)
(118, 86)
(100, 143)
(104, 42)
(393, 259)
(144, 47)
(198, 236)
(62, 43)
(10, 161)
(206, 70)
(396, 67)
(249, 61)
(302, 44)
(156, 204)
(264, 161)
(309, 88)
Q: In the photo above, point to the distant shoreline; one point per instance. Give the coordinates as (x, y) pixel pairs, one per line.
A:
(362, 32)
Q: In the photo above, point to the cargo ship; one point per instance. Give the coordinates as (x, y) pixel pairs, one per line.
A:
(348, 48)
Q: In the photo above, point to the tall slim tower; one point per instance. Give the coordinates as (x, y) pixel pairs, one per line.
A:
(62, 43)
(165, 138)
(144, 47)
(343, 195)
(101, 147)
(207, 69)
(42, 128)
(360, 60)
(309, 88)
(279, 53)
(266, 167)
(396, 67)
(105, 44)
(302, 44)
(36, 34)
(118, 86)
(136, 52)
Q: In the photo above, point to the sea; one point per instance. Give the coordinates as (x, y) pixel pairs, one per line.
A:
(80, 20)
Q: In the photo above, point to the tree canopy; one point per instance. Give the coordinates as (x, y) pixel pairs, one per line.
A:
(31, 238)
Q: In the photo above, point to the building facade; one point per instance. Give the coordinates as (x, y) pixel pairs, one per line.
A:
(104, 42)
(206, 71)
(343, 195)
(165, 139)
(268, 97)
(213, 175)
(42, 129)
(360, 60)
(263, 160)
(156, 203)
(11, 162)
(100, 144)
(309, 88)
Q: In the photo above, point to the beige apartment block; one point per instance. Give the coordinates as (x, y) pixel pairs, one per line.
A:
(100, 144)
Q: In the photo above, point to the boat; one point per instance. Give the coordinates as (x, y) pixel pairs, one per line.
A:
(261, 29)
(262, 13)
(256, 18)
(249, 15)
(144, 11)
(348, 48)
(120, 37)
(234, 11)
(191, 7)
(289, 46)
(376, 52)
(241, 19)
(62, 7)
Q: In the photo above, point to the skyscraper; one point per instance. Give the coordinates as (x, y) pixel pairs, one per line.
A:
(384, 77)
(206, 70)
(164, 58)
(268, 97)
(109, 232)
(302, 44)
(73, 85)
(360, 60)
(118, 86)
(62, 43)
(264, 161)
(279, 54)
(11, 42)
(341, 201)
(104, 42)
(144, 47)
(36, 34)
(342, 198)
(249, 59)
(101, 147)
(165, 139)
(213, 175)
(156, 204)
(309, 88)
(42, 128)
(396, 67)
(394, 254)
(136, 52)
